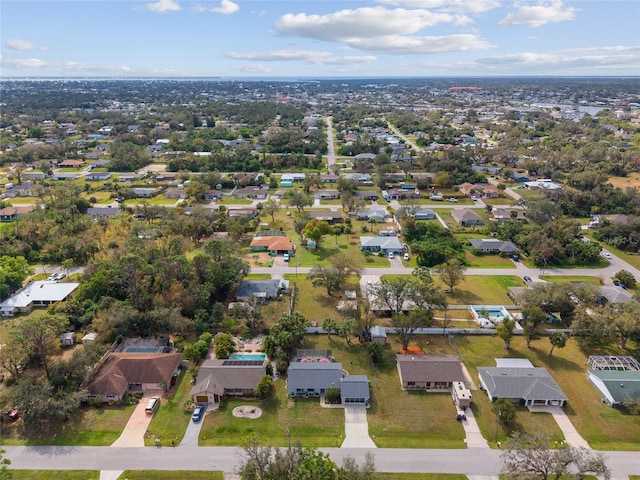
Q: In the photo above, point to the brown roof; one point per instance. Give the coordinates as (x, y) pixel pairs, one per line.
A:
(214, 377)
(17, 210)
(273, 243)
(121, 369)
(429, 368)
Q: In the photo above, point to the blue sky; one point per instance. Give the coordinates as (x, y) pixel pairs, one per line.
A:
(321, 38)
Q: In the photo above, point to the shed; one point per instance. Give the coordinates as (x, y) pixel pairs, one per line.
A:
(379, 335)
(89, 338)
(67, 339)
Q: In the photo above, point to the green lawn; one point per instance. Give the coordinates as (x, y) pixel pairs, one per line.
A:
(349, 245)
(487, 290)
(572, 278)
(171, 420)
(309, 423)
(90, 426)
(486, 261)
(157, 200)
(421, 476)
(170, 475)
(605, 428)
(55, 474)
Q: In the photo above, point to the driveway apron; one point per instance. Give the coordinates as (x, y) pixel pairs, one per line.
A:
(356, 428)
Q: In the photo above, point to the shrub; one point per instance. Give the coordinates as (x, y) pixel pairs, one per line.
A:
(332, 395)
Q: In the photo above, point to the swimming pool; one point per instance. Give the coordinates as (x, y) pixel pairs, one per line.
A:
(248, 356)
(489, 315)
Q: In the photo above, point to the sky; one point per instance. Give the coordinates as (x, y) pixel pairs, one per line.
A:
(320, 38)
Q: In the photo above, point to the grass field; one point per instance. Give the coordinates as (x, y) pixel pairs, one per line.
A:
(171, 420)
(55, 474)
(573, 278)
(605, 428)
(487, 290)
(170, 475)
(486, 260)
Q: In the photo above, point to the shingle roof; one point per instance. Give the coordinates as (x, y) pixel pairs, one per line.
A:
(429, 368)
(525, 383)
(354, 386)
(121, 369)
(313, 375)
(214, 376)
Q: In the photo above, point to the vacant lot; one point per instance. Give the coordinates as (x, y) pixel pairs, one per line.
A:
(605, 428)
(632, 180)
(487, 290)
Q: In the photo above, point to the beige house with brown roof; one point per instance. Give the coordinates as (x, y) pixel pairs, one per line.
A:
(275, 245)
(137, 372)
(218, 378)
(429, 372)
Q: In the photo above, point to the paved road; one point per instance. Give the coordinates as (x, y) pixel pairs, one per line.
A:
(474, 461)
(331, 149)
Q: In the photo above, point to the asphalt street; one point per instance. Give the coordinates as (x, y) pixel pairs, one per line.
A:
(472, 461)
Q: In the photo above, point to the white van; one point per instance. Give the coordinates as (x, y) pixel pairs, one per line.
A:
(152, 405)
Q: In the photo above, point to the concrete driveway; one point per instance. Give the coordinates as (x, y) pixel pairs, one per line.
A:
(192, 433)
(571, 435)
(472, 430)
(136, 427)
(356, 428)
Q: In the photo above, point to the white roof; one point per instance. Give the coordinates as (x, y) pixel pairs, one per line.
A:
(39, 291)
(513, 363)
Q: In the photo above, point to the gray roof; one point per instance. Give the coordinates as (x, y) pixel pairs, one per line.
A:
(214, 376)
(261, 288)
(622, 385)
(493, 244)
(615, 294)
(39, 291)
(313, 375)
(525, 383)
(378, 331)
(465, 215)
(429, 368)
(354, 386)
(381, 242)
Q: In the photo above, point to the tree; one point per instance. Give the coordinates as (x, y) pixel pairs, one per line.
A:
(626, 278)
(13, 271)
(40, 334)
(299, 199)
(623, 319)
(332, 395)
(223, 345)
(334, 277)
(316, 229)
(284, 337)
(451, 272)
(264, 389)
(271, 207)
(532, 322)
(528, 455)
(5, 474)
(344, 329)
(558, 339)
(329, 326)
(375, 352)
(505, 330)
(504, 409)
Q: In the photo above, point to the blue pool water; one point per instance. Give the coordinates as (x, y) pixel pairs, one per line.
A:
(248, 356)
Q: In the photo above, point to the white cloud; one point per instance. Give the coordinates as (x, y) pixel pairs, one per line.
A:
(538, 15)
(407, 45)
(16, 44)
(615, 49)
(163, 6)
(66, 66)
(363, 23)
(227, 7)
(253, 68)
(560, 62)
(467, 6)
(308, 56)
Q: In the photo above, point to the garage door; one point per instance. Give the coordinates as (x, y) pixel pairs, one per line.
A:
(202, 399)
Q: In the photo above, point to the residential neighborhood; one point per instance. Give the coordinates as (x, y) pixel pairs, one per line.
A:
(392, 270)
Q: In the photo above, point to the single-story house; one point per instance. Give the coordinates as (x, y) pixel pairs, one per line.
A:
(33, 176)
(274, 245)
(328, 178)
(9, 214)
(40, 293)
(166, 176)
(616, 387)
(130, 177)
(328, 216)
(613, 294)
(466, 217)
(520, 177)
(144, 192)
(64, 176)
(493, 245)
(507, 214)
(399, 194)
(379, 335)
(125, 372)
(257, 193)
(379, 215)
(312, 378)
(98, 176)
(380, 244)
(354, 390)
(479, 189)
(176, 193)
(326, 194)
(429, 372)
(542, 184)
(250, 212)
(424, 214)
(529, 385)
(102, 212)
(218, 378)
(71, 164)
(261, 289)
(369, 195)
(212, 194)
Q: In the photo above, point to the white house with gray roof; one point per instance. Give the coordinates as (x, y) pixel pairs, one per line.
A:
(529, 385)
(41, 293)
(380, 244)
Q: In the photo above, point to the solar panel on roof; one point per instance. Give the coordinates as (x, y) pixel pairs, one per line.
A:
(242, 363)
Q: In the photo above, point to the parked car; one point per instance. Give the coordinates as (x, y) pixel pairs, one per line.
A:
(452, 200)
(618, 283)
(474, 198)
(607, 255)
(527, 278)
(406, 257)
(286, 257)
(13, 414)
(197, 413)
(391, 255)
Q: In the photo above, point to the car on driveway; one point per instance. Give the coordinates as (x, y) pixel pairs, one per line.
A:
(286, 257)
(196, 416)
(406, 257)
(607, 255)
(618, 283)
(391, 255)
(527, 278)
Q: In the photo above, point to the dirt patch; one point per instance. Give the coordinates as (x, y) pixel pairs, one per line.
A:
(633, 180)
(247, 411)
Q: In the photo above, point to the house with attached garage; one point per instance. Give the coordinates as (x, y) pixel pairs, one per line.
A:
(326, 194)
(520, 382)
(617, 378)
(466, 217)
(354, 390)
(424, 214)
(435, 373)
(493, 245)
(261, 289)
(275, 245)
(380, 244)
(312, 378)
(219, 378)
